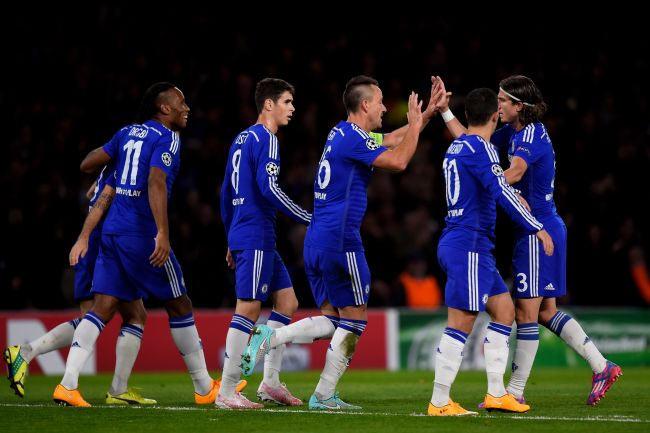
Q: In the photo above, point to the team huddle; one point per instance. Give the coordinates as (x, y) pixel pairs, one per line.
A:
(123, 252)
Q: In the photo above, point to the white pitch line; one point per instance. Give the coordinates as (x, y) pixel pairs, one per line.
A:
(522, 417)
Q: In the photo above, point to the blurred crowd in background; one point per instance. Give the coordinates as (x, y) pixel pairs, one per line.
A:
(70, 84)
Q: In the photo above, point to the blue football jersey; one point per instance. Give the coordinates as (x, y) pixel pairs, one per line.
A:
(534, 146)
(250, 194)
(474, 184)
(134, 149)
(340, 188)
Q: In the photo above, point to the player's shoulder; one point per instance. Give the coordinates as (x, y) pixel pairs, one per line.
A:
(356, 135)
(256, 133)
(473, 146)
(533, 133)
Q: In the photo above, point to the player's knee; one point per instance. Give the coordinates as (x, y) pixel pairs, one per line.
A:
(505, 316)
(180, 306)
(105, 307)
(139, 317)
(287, 305)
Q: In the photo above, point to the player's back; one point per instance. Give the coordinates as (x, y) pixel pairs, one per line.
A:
(253, 217)
(471, 211)
(474, 185)
(135, 149)
(340, 188)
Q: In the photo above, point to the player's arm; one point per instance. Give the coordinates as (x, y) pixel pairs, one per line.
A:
(268, 169)
(491, 175)
(393, 139)
(226, 203)
(227, 212)
(95, 160)
(91, 191)
(442, 97)
(158, 202)
(397, 159)
(95, 215)
(516, 171)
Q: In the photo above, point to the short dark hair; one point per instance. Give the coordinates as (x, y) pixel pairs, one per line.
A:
(355, 92)
(480, 105)
(150, 105)
(524, 89)
(271, 88)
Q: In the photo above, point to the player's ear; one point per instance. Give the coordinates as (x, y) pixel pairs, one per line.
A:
(268, 104)
(495, 117)
(165, 109)
(364, 105)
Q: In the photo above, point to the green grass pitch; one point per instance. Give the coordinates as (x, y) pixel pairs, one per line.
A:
(392, 402)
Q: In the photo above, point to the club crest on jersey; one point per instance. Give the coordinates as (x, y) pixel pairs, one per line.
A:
(272, 169)
(372, 144)
(265, 288)
(367, 288)
(166, 159)
(497, 170)
(485, 299)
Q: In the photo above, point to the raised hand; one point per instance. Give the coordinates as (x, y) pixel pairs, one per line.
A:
(415, 111)
(442, 97)
(432, 109)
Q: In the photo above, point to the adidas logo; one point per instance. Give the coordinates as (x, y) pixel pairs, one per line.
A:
(549, 287)
(438, 350)
(75, 344)
(515, 367)
(486, 340)
(587, 340)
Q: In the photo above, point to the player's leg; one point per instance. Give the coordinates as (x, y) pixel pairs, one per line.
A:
(126, 351)
(495, 345)
(109, 286)
(83, 344)
(567, 328)
(253, 272)
(528, 264)
(18, 357)
(347, 283)
(186, 336)
(449, 356)
(285, 305)
(461, 298)
(526, 313)
(553, 285)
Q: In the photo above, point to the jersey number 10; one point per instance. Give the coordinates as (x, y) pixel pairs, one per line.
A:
(451, 176)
